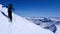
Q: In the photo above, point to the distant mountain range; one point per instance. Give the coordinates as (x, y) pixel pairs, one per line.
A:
(37, 20)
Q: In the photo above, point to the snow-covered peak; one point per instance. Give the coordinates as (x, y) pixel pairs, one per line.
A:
(19, 25)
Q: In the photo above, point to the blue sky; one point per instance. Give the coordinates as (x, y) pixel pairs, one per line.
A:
(35, 8)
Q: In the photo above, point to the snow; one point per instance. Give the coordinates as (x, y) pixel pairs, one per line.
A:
(19, 25)
(58, 29)
(44, 24)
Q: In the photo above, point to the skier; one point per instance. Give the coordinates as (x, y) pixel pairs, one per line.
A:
(10, 7)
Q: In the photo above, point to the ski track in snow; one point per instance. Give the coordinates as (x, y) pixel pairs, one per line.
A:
(19, 25)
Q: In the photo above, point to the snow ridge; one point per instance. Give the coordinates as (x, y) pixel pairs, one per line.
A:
(19, 25)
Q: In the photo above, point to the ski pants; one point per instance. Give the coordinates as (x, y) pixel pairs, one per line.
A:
(10, 15)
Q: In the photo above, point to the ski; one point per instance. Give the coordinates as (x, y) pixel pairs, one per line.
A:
(4, 14)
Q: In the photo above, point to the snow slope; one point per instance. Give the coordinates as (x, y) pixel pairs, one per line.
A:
(19, 25)
(58, 29)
